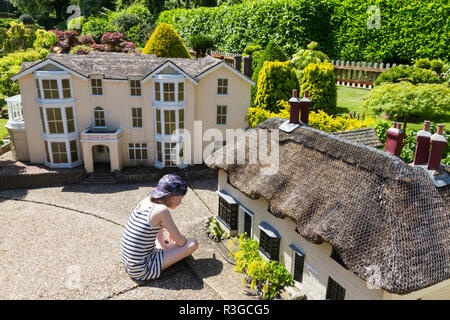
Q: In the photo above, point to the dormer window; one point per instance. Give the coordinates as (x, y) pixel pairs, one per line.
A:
(135, 86)
(97, 87)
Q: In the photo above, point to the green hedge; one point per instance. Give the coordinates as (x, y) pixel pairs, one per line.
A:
(291, 23)
(408, 29)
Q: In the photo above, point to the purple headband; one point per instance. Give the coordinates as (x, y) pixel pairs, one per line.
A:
(169, 184)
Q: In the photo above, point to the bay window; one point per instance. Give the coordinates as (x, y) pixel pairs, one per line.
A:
(62, 152)
(169, 91)
(50, 88)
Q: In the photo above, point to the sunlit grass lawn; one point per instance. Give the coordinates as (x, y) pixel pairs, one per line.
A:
(3, 130)
(350, 99)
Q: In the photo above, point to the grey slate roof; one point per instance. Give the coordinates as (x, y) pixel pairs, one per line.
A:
(120, 66)
(365, 136)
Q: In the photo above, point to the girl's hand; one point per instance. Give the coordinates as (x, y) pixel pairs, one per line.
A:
(171, 239)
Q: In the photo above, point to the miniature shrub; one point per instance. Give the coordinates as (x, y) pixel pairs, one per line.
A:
(436, 65)
(402, 100)
(318, 120)
(319, 80)
(97, 26)
(304, 57)
(200, 44)
(10, 65)
(165, 42)
(81, 49)
(273, 52)
(26, 19)
(18, 37)
(86, 39)
(412, 74)
(251, 49)
(267, 277)
(44, 39)
(275, 82)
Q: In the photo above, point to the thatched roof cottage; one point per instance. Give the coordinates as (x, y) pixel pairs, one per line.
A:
(347, 220)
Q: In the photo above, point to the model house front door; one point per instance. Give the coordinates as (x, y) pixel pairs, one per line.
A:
(101, 154)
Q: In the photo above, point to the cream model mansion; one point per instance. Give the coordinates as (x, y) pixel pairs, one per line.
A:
(122, 109)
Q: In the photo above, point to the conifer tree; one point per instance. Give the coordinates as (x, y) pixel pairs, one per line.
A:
(166, 42)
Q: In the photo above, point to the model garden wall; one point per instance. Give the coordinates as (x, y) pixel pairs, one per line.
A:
(390, 31)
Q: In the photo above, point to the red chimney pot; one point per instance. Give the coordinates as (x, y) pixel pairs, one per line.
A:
(438, 143)
(394, 139)
(423, 144)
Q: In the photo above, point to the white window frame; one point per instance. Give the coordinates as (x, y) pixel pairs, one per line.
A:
(94, 118)
(137, 118)
(96, 86)
(222, 115)
(135, 88)
(222, 86)
(66, 133)
(179, 145)
(162, 79)
(53, 75)
(70, 163)
(135, 147)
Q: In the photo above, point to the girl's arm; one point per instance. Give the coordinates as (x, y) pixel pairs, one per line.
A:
(160, 241)
(162, 216)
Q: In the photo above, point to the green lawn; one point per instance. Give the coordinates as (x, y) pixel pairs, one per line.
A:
(350, 99)
(3, 130)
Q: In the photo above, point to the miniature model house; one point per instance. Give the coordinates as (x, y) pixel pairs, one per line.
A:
(347, 220)
(124, 109)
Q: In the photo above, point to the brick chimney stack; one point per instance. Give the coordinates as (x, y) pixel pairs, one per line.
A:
(294, 102)
(305, 103)
(394, 139)
(423, 144)
(438, 143)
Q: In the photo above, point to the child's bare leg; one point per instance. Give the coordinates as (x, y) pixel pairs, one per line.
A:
(177, 253)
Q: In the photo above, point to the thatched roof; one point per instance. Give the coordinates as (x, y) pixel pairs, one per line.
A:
(373, 208)
(365, 136)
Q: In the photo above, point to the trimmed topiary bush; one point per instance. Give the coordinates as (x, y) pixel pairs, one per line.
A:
(303, 57)
(273, 52)
(276, 82)
(200, 44)
(165, 42)
(318, 79)
(26, 19)
(412, 74)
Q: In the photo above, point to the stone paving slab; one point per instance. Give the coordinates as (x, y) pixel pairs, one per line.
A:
(50, 251)
(112, 202)
(213, 268)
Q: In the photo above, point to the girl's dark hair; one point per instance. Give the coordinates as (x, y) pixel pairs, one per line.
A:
(165, 200)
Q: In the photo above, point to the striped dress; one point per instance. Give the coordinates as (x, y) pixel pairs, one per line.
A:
(142, 260)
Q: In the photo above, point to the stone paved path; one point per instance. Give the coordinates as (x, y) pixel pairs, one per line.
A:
(63, 243)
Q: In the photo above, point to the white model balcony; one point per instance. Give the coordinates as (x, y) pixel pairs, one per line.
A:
(15, 114)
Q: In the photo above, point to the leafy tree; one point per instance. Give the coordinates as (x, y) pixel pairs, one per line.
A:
(412, 74)
(92, 7)
(165, 42)
(38, 8)
(402, 100)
